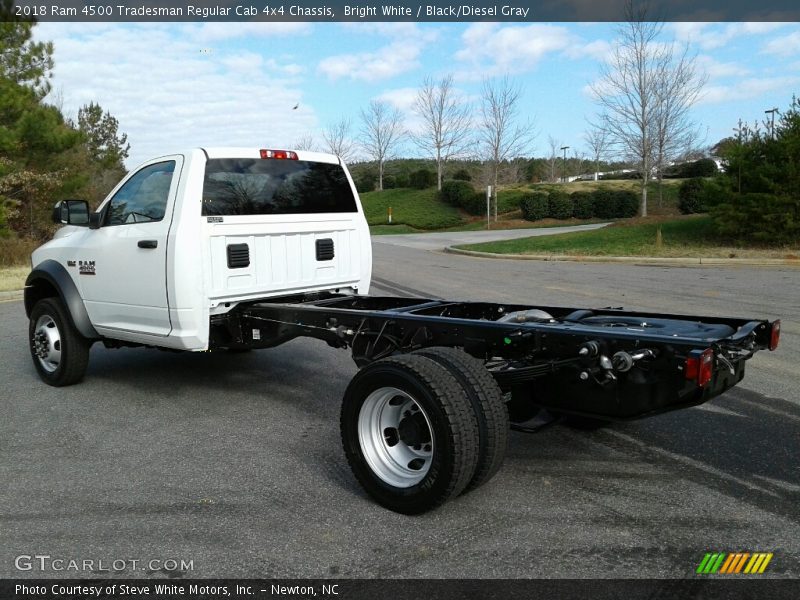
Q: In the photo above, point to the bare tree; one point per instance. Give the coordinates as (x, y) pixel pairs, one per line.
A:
(628, 93)
(597, 140)
(674, 132)
(381, 131)
(338, 141)
(500, 132)
(579, 159)
(306, 142)
(446, 122)
(552, 159)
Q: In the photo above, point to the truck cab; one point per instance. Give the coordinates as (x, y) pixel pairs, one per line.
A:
(188, 236)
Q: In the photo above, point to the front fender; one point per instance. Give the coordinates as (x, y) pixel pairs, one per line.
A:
(51, 274)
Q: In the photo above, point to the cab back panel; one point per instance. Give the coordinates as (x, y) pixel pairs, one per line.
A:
(283, 258)
(282, 225)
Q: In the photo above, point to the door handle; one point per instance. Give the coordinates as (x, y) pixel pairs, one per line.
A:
(148, 244)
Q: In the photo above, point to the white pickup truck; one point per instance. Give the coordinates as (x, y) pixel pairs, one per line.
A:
(236, 249)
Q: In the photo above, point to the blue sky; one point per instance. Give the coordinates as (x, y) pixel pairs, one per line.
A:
(177, 86)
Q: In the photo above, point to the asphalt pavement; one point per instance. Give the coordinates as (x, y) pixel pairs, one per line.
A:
(233, 462)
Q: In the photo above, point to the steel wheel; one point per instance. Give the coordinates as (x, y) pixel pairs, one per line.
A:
(47, 343)
(59, 353)
(396, 437)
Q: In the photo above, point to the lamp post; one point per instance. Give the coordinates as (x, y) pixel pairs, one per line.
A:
(564, 174)
(771, 112)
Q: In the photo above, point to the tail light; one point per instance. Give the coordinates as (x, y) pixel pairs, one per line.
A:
(700, 366)
(775, 335)
(281, 154)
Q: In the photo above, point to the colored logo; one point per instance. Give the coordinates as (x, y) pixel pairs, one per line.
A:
(733, 563)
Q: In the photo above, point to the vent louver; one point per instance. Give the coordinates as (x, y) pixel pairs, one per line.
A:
(325, 249)
(238, 256)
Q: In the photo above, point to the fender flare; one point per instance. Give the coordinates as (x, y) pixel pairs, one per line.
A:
(57, 276)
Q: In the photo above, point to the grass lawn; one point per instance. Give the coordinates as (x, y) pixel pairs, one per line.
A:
(13, 278)
(420, 209)
(693, 236)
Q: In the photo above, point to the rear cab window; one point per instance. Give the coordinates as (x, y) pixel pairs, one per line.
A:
(251, 186)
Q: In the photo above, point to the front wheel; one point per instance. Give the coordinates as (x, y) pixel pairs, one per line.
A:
(60, 354)
(409, 433)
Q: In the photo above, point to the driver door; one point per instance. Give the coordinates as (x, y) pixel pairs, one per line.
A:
(123, 275)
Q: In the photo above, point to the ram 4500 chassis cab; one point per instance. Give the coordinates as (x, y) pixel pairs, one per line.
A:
(234, 249)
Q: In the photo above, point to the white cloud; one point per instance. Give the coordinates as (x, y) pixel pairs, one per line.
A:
(401, 55)
(382, 64)
(402, 99)
(168, 95)
(787, 45)
(746, 89)
(720, 70)
(709, 36)
(600, 50)
(211, 32)
(490, 49)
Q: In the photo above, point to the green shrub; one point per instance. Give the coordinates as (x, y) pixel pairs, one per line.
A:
(603, 204)
(366, 182)
(462, 175)
(582, 205)
(690, 195)
(508, 199)
(535, 206)
(389, 182)
(560, 205)
(475, 204)
(700, 195)
(421, 179)
(762, 218)
(714, 192)
(401, 179)
(457, 193)
(626, 204)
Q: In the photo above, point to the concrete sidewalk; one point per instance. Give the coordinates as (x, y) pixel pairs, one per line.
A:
(440, 241)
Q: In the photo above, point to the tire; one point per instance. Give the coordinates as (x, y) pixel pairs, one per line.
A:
(409, 433)
(60, 354)
(488, 408)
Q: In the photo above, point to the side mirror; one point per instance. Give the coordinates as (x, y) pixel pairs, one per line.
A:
(95, 219)
(71, 212)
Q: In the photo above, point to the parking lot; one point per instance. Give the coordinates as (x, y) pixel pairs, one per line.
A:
(233, 462)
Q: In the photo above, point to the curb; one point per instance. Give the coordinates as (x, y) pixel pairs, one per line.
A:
(639, 260)
(15, 295)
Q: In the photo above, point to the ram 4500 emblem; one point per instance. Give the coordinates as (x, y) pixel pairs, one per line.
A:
(86, 267)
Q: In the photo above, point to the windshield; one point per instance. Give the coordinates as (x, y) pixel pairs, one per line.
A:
(249, 186)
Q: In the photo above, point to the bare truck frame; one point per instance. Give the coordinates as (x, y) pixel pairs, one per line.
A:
(240, 248)
(427, 416)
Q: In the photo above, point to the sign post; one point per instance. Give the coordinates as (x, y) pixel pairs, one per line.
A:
(489, 207)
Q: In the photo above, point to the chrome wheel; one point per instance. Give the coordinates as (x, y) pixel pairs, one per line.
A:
(396, 437)
(47, 343)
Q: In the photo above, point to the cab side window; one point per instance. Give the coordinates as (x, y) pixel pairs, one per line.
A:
(143, 198)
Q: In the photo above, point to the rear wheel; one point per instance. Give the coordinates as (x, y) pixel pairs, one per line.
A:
(60, 354)
(409, 433)
(487, 406)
